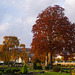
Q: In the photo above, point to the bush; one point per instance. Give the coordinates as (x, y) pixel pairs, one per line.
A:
(1, 67)
(0, 72)
(11, 63)
(73, 71)
(6, 66)
(47, 67)
(6, 63)
(24, 69)
(56, 68)
(8, 70)
(62, 70)
(4, 72)
(34, 66)
(13, 70)
(19, 72)
(1, 63)
(30, 67)
(38, 67)
(58, 64)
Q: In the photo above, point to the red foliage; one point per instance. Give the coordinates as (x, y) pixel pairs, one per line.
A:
(52, 32)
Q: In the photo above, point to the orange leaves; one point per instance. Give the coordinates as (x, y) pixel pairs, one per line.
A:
(11, 41)
(22, 45)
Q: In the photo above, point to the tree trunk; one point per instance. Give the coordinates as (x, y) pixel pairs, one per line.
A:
(51, 62)
(51, 59)
(8, 63)
(47, 59)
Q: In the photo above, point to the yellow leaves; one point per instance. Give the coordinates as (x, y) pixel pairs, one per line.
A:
(9, 50)
(5, 56)
(11, 41)
(14, 54)
(22, 45)
(1, 46)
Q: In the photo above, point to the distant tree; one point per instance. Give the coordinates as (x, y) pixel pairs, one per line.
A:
(10, 51)
(22, 45)
(9, 43)
(23, 53)
(52, 32)
(5, 54)
(14, 54)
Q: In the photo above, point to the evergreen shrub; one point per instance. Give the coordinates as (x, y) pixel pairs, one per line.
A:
(24, 69)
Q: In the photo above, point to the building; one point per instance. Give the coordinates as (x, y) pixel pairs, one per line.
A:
(27, 51)
(29, 54)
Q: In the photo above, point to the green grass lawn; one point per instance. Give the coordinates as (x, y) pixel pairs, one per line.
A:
(46, 72)
(49, 72)
(36, 70)
(54, 73)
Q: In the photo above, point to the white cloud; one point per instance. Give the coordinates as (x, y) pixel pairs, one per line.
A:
(18, 16)
(69, 6)
(70, 2)
(4, 27)
(19, 20)
(29, 20)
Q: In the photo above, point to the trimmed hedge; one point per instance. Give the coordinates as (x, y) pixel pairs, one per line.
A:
(56, 68)
(38, 67)
(13, 70)
(34, 66)
(58, 64)
(0, 72)
(47, 67)
(8, 70)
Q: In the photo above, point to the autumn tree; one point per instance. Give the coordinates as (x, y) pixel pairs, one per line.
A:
(0, 51)
(52, 32)
(9, 43)
(22, 45)
(23, 53)
(5, 54)
(14, 54)
(19, 53)
(24, 56)
(41, 58)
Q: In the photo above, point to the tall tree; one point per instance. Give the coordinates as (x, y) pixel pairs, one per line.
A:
(23, 53)
(9, 43)
(5, 54)
(52, 32)
(14, 54)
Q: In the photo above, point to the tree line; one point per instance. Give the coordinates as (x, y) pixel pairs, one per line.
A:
(10, 50)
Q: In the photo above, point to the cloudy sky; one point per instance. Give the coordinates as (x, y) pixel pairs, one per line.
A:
(18, 16)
